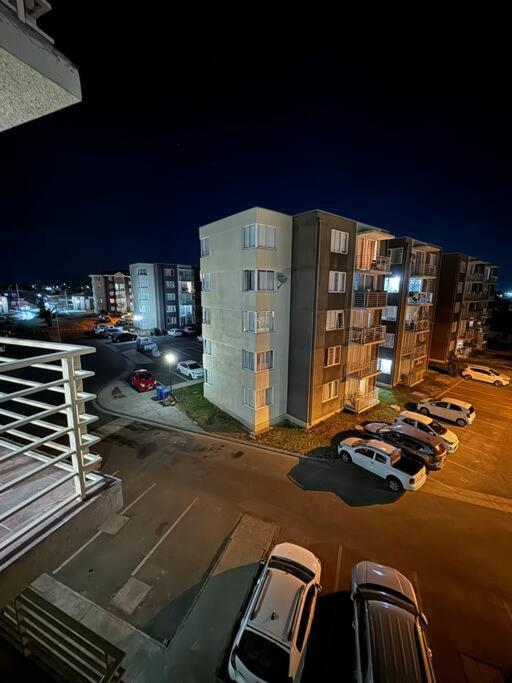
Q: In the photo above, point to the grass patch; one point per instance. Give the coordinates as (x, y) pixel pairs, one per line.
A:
(212, 419)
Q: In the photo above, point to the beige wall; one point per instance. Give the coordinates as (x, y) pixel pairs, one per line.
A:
(227, 301)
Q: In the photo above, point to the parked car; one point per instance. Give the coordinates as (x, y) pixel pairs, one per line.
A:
(383, 460)
(188, 330)
(3, 318)
(390, 630)
(175, 332)
(483, 373)
(104, 319)
(415, 444)
(430, 426)
(124, 337)
(142, 380)
(190, 368)
(271, 643)
(452, 409)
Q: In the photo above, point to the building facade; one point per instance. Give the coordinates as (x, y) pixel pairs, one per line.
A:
(411, 288)
(466, 289)
(165, 295)
(112, 292)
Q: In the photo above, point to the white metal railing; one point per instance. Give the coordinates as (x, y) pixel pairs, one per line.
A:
(412, 378)
(367, 335)
(378, 263)
(415, 351)
(370, 299)
(29, 11)
(41, 386)
(419, 298)
(424, 270)
(362, 369)
(417, 325)
(359, 402)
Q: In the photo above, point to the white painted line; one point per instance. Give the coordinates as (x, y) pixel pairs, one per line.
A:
(157, 545)
(487, 403)
(137, 499)
(461, 465)
(491, 424)
(449, 389)
(338, 569)
(77, 552)
(464, 430)
(114, 473)
(475, 450)
(452, 488)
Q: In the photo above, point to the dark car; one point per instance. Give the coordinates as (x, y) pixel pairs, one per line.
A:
(414, 444)
(142, 380)
(123, 337)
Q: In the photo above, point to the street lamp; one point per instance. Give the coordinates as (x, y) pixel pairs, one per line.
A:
(170, 358)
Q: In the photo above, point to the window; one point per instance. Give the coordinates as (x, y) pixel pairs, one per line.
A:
(454, 326)
(142, 271)
(380, 458)
(205, 246)
(258, 280)
(170, 309)
(462, 268)
(392, 285)
(146, 322)
(332, 356)
(143, 296)
(389, 313)
(171, 321)
(170, 284)
(257, 399)
(385, 365)
(206, 316)
(330, 390)
(205, 282)
(339, 242)
(305, 617)
(335, 320)
(169, 272)
(257, 235)
(207, 347)
(208, 379)
(457, 307)
(459, 287)
(144, 309)
(143, 284)
(112, 301)
(396, 255)
(248, 360)
(256, 362)
(258, 321)
(170, 296)
(389, 341)
(337, 281)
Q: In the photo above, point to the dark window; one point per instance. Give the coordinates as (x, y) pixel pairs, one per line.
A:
(365, 451)
(423, 427)
(306, 613)
(455, 407)
(263, 658)
(380, 458)
(408, 421)
(441, 404)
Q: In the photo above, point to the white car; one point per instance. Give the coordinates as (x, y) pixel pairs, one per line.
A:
(452, 409)
(272, 639)
(190, 368)
(429, 426)
(483, 373)
(175, 332)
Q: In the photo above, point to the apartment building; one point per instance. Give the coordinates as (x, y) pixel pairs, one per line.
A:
(467, 286)
(165, 295)
(112, 291)
(411, 288)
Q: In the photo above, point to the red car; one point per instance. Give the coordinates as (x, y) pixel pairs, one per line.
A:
(142, 380)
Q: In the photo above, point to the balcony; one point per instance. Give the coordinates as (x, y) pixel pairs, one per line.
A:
(50, 491)
(359, 369)
(410, 379)
(377, 264)
(415, 351)
(358, 403)
(370, 299)
(186, 299)
(419, 298)
(424, 270)
(367, 335)
(418, 325)
(476, 277)
(476, 296)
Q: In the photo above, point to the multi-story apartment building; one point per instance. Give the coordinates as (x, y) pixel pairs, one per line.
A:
(112, 291)
(165, 295)
(35, 79)
(467, 286)
(411, 288)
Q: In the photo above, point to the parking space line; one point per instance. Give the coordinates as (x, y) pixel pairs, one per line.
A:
(449, 389)
(490, 403)
(77, 552)
(486, 436)
(138, 498)
(461, 465)
(475, 450)
(337, 586)
(162, 539)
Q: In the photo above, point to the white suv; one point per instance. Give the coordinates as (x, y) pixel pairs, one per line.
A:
(452, 409)
(482, 373)
(271, 642)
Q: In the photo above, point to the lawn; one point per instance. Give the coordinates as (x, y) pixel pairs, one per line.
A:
(320, 440)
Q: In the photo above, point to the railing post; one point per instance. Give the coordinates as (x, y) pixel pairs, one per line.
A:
(72, 417)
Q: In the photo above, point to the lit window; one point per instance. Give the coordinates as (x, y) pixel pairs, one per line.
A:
(392, 284)
(385, 365)
(337, 281)
(330, 390)
(170, 296)
(257, 399)
(258, 280)
(143, 284)
(332, 356)
(257, 235)
(142, 271)
(207, 347)
(258, 321)
(335, 320)
(170, 309)
(205, 246)
(389, 313)
(454, 327)
(206, 316)
(389, 341)
(339, 242)
(208, 378)
(205, 282)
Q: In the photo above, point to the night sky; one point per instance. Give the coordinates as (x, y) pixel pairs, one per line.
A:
(186, 119)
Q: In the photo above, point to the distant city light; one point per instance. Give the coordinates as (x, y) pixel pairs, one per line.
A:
(508, 295)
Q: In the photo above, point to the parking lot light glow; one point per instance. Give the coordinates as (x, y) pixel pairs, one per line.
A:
(170, 357)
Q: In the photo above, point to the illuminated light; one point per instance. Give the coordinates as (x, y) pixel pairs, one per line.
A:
(385, 365)
(392, 284)
(170, 358)
(508, 295)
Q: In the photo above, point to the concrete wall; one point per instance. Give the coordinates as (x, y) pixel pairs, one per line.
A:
(226, 302)
(147, 308)
(445, 306)
(99, 293)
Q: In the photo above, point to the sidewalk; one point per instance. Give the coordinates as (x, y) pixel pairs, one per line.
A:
(119, 397)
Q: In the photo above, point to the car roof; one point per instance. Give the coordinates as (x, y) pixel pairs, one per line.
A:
(396, 654)
(381, 446)
(456, 401)
(415, 433)
(478, 367)
(277, 604)
(416, 416)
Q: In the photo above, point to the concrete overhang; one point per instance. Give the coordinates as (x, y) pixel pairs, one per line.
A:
(35, 79)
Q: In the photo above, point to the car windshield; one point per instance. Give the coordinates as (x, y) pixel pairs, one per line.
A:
(438, 428)
(291, 567)
(263, 658)
(494, 371)
(144, 375)
(194, 366)
(471, 410)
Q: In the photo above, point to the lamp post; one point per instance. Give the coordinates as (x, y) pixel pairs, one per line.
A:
(170, 358)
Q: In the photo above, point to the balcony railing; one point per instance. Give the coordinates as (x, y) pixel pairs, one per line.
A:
(424, 270)
(29, 12)
(370, 299)
(362, 369)
(476, 296)
(381, 264)
(412, 378)
(367, 335)
(476, 277)
(419, 298)
(418, 325)
(359, 402)
(47, 471)
(415, 351)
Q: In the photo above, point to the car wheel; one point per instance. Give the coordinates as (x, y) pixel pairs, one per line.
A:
(394, 484)
(345, 457)
(497, 383)
(424, 411)
(467, 377)
(461, 422)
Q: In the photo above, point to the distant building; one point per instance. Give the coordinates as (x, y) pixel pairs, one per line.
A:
(4, 304)
(165, 295)
(112, 291)
(35, 79)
